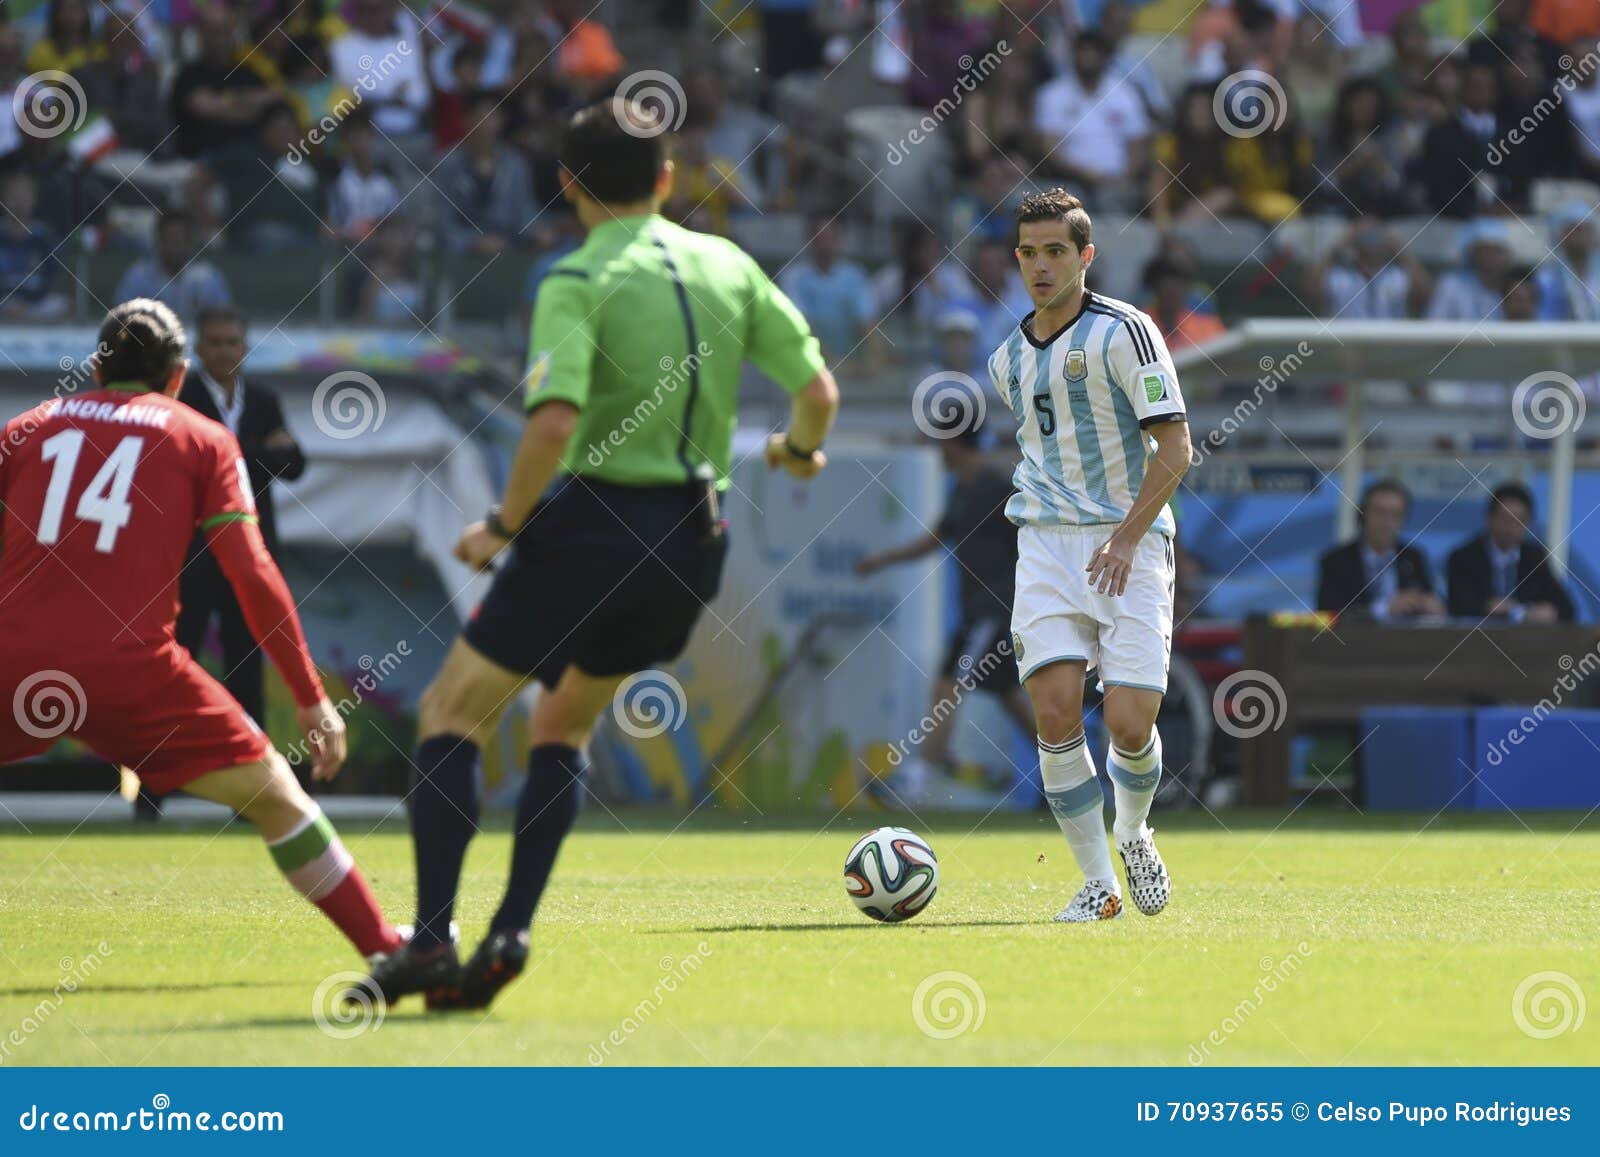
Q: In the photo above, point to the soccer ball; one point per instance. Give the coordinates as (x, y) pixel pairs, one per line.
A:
(891, 874)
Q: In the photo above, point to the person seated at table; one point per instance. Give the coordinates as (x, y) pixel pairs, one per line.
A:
(1376, 574)
(1505, 573)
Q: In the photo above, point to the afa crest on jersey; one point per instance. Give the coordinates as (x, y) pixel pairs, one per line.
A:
(1077, 365)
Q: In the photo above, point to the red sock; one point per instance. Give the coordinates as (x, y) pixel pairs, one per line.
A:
(354, 911)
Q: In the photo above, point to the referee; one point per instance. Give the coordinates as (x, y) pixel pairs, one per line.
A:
(608, 535)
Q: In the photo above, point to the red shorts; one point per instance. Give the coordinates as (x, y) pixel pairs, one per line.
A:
(159, 714)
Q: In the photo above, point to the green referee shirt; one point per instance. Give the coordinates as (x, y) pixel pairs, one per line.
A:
(644, 329)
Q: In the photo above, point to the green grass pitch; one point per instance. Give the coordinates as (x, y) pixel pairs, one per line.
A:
(1313, 940)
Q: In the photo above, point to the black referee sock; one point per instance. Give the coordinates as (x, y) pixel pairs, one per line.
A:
(444, 816)
(544, 816)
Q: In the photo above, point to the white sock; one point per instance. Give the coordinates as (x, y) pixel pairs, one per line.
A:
(1075, 798)
(1133, 781)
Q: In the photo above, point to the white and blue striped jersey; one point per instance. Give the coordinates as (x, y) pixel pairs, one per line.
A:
(1082, 400)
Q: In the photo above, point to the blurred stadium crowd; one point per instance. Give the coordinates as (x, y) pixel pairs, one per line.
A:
(1350, 158)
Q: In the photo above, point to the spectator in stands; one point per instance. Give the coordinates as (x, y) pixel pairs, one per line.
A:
(28, 264)
(997, 116)
(536, 109)
(1505, 573)
(1271, 172)
(1566, 21)
(214, 101)
(485, 193)
(69, 41)
(985, 211)
(1190, 180)
(1092, 131)
(1358, 174)
(589, 60)
(1583, 110)
(175, 273)
(1408, 64)
(706, 190)
(125, 86)
(790, 41)
(1129, 67)
(363, 192)
(833, 292)
(1569, 283)
(940, 39)
(1519, 296)
(391, 293)
(1376, 573)
(1542, 148)
(1174, 304)
(1474, 292)
(921, 283)
(1371, 277)
(271, 198)
(382, 53)
(1002, 299)
(741, 134)
(309, 86)
(12, 73)
(1501, 49)
(450, 103)
(1320, 63)
(956, 349)
(1458, 164)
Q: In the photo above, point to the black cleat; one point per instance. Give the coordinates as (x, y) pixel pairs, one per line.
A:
(409, 969)
(498, 961)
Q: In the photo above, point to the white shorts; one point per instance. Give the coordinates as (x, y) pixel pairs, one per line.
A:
(1058, 616)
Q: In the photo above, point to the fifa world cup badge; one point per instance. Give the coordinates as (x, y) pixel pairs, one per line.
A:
(1077, 365)
(1154, 387)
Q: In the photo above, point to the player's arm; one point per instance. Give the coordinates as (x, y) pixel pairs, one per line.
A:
(780, 343)
(561, 352)
(1142, 368)
(228, 520)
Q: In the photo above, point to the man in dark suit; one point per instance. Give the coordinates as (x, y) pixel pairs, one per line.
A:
(217, 389)
(1376, 573)
(1505, 573)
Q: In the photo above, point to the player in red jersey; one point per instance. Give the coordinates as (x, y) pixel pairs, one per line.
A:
(101, 494)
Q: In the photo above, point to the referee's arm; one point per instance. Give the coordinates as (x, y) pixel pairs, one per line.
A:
(780, 343)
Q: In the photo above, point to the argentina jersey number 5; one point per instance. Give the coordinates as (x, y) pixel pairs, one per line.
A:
(1083, 399)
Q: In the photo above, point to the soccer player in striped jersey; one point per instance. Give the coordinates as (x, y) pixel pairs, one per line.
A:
(1105, 442)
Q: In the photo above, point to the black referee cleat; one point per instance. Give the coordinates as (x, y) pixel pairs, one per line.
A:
(498, 961)
(410, 969)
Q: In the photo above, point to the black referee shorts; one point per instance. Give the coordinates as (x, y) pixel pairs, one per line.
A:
(608, 578)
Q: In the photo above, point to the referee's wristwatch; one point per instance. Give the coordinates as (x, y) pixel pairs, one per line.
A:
(797, 453)
(494, 526)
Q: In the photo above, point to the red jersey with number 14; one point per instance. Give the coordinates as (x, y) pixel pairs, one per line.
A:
(102, 494)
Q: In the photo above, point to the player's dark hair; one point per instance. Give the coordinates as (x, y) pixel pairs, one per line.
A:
(1511, 492)
(613, 164)
(1057, 205)
(142, 341)
(1385, 486)
(217, 315)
